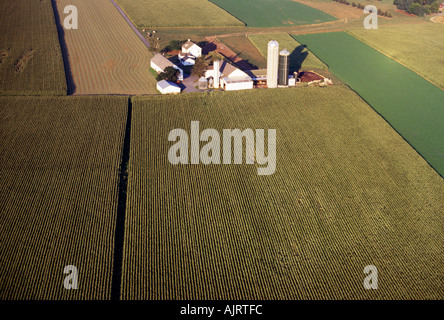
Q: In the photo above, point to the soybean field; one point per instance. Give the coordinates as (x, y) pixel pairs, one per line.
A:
(60, 179)
(348, 192)
(417, 46)
(31, 61)
(412, 105)
(273, 13)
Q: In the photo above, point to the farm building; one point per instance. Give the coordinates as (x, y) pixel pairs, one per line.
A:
(259, 77)
(167, 87)
(159, 63)
(186, 60)
(191, 49)
(229, 77)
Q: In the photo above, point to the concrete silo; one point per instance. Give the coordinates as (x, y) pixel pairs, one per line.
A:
(272, 64)
(284, 67)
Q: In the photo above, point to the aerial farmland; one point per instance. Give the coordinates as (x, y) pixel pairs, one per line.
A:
(202, 152)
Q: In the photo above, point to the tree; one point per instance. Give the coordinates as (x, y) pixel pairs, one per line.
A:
(417, 9)
(199, 67)
(174, 45)
(169, 74)
(214, 55)
(434, 7)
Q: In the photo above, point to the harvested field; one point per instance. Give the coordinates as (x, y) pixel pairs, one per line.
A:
(334, 9)
(411, 104)
(58, 196)
(177, 13)
(300, 57)
(347, 192)
(104, 57)
(31, 60)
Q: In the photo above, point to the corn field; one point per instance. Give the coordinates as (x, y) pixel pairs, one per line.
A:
(31, 60)
(348, 192)
(60, 168)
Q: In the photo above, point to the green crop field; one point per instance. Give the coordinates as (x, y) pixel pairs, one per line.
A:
(60, 172)
(300, 57)
(418, 46)
(273, 13)
(348, 192)
(177, 13)
(411, 104)
(31, 60)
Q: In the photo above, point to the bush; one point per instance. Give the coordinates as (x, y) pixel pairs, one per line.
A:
(169, 74)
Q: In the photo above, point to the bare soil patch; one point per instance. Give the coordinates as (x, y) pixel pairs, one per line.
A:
(21, 63)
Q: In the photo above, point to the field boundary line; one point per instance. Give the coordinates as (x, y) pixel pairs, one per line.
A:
(131, 23)
(400, 62)
(215, 4)
(119, 234)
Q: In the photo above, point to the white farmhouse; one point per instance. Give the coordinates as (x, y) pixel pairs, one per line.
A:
(159, 63)
(191, 49)
(166, 87)
(229, 77)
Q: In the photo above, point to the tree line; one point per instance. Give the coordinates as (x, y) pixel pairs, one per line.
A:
(418, 7)
(383, 13)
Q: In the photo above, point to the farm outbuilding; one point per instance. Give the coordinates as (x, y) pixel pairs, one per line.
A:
(230, 84)
(192, 49)
(167, 87)
(159, 63)
(231, 78)
(186, 59)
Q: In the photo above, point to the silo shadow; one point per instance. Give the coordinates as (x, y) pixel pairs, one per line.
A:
(297, 58)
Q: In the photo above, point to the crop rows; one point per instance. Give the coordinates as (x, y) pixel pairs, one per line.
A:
(348, 192)
(104, 59)
(59, 190)
(31, 60)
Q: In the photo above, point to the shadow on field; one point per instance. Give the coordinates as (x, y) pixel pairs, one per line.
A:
(297, 57)
(61, 33)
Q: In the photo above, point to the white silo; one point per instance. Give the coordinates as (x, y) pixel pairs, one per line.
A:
(272, 64)
(216, 74)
